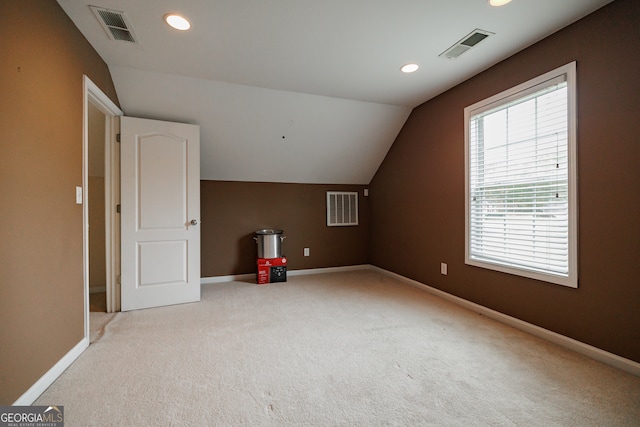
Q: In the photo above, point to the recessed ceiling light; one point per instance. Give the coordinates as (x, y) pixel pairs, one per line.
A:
(499, 2)
(177, 21)
(409, 68)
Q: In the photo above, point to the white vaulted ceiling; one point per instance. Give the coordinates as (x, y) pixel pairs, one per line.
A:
(299, 90)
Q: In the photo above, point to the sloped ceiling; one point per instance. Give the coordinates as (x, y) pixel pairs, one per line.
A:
(304, 91)
(255, 134)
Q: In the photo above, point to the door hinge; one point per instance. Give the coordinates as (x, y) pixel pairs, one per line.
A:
(119, 279)
(117, 137)
(117, 208)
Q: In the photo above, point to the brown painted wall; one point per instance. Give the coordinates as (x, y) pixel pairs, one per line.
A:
(417, 195)
(97, 234)
(233, 211)
(43, 57)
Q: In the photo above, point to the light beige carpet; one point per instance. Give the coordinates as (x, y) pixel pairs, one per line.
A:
(345, 349)
(98, 321)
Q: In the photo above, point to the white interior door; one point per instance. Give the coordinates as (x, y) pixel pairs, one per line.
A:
(160, 213)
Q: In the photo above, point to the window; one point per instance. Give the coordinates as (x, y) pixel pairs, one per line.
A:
(521, 195)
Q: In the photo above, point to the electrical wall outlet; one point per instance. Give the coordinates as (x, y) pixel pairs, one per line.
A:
(306, 251)
(443, 268)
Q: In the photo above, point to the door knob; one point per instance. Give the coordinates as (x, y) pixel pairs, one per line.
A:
(194, 222)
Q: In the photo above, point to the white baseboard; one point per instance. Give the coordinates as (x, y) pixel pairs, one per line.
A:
(325, 270)
(290, 273)
(590, 351)
(223, 279)
(52, 374)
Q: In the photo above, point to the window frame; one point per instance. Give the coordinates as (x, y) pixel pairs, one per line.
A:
(522, 90)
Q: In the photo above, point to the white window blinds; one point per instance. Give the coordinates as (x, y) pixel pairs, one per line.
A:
(519, 182)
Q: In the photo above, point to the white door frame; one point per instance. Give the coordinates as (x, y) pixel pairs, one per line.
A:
(93, 95)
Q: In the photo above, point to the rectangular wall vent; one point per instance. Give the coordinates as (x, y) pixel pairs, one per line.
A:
(342, 208)
(466, 43)
(115, 23)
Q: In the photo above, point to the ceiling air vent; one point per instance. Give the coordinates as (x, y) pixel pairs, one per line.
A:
(115, 23)
(467, 42)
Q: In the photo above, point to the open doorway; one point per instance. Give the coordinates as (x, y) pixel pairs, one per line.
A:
(95, 199)
(101, 183)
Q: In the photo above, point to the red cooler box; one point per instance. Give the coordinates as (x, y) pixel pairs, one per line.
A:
(272, 270)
